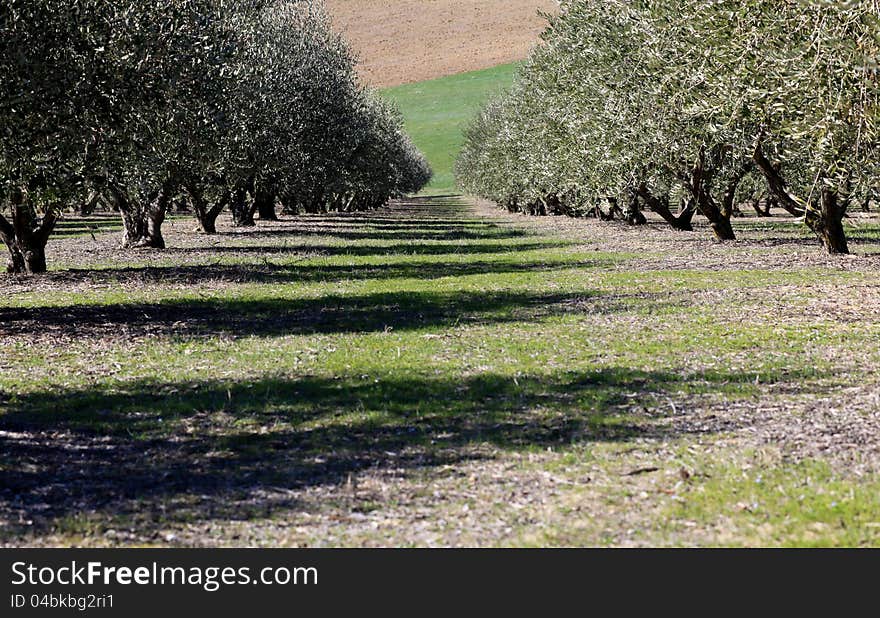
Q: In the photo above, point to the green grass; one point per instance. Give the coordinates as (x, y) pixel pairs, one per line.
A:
(437, 111)
(429, 353)
(75, 226)
(801, 505)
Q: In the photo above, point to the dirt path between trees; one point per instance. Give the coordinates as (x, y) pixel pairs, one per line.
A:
(441, 373)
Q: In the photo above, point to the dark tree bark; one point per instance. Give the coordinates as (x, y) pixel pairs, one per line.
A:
(243, 210)
(26, 236)
(699, 184)
(318, 203)
(778, 187)
(290, 205)
(265, 205)
(686, 211)
(142, 220)
(721, 226)
(728, 198)
(553, 205)
(614, 210)
(155, 215)
(597, 212)
(540, 207)
(88, 206)
(660, 205)
(827, 222)
(633, 213)
(206, 215)
(762, 206)
(134, 225)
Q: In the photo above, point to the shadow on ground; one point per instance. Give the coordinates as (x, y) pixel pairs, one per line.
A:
(296, 273)
(369, 250)
(143, 455)
(378, 312)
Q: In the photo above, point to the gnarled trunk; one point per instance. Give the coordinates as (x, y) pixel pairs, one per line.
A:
(206, 215)
(265, 205)
(88, 206)
(26, 236)
(686, 211)
(722, 227)
(134, 224)
(660, 206)
(778, 187)
(699, 183)
(242, 209)
(153, 238)
(762, 206)
(827, 222)
(632, 214)
(719, 217)
(142, 220)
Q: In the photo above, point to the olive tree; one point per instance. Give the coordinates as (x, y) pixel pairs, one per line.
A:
(228, 102)
(50, 117)
(104, 95)
(642, 103)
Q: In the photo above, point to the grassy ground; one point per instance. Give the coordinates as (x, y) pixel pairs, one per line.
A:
(437, 111)
(439, 373)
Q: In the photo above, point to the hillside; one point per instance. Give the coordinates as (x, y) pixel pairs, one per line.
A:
(406, 41)
(437, 111)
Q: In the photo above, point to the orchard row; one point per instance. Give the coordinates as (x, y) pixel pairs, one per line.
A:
(238, 104)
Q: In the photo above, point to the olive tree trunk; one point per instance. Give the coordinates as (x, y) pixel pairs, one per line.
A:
(290, 204)
(142, 219)
(265, 205)
(660, 205)
(26, 236)
(633, 214)
(206, 214)
(699, 184)
(776, 183)
(827, 222)
(242, 208)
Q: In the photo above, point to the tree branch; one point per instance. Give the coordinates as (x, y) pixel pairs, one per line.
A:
(777, 184)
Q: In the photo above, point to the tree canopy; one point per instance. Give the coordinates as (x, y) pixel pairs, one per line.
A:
(705, 102)
(242, 103)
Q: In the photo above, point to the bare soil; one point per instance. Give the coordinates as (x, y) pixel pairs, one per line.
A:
(407, 41)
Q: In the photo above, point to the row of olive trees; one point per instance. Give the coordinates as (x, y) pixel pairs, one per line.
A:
(689, 106)
(239, 104)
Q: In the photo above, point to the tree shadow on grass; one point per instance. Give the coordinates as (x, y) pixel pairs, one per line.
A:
(314, 273)
(143, 455)
(391, 234)
(378, 312)
(372, 250)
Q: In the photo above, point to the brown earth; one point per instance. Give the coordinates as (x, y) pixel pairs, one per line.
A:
(406, 41)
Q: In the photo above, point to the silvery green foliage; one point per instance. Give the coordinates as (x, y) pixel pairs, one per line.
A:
(143, 100)
(641, 93)
(310, 131)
